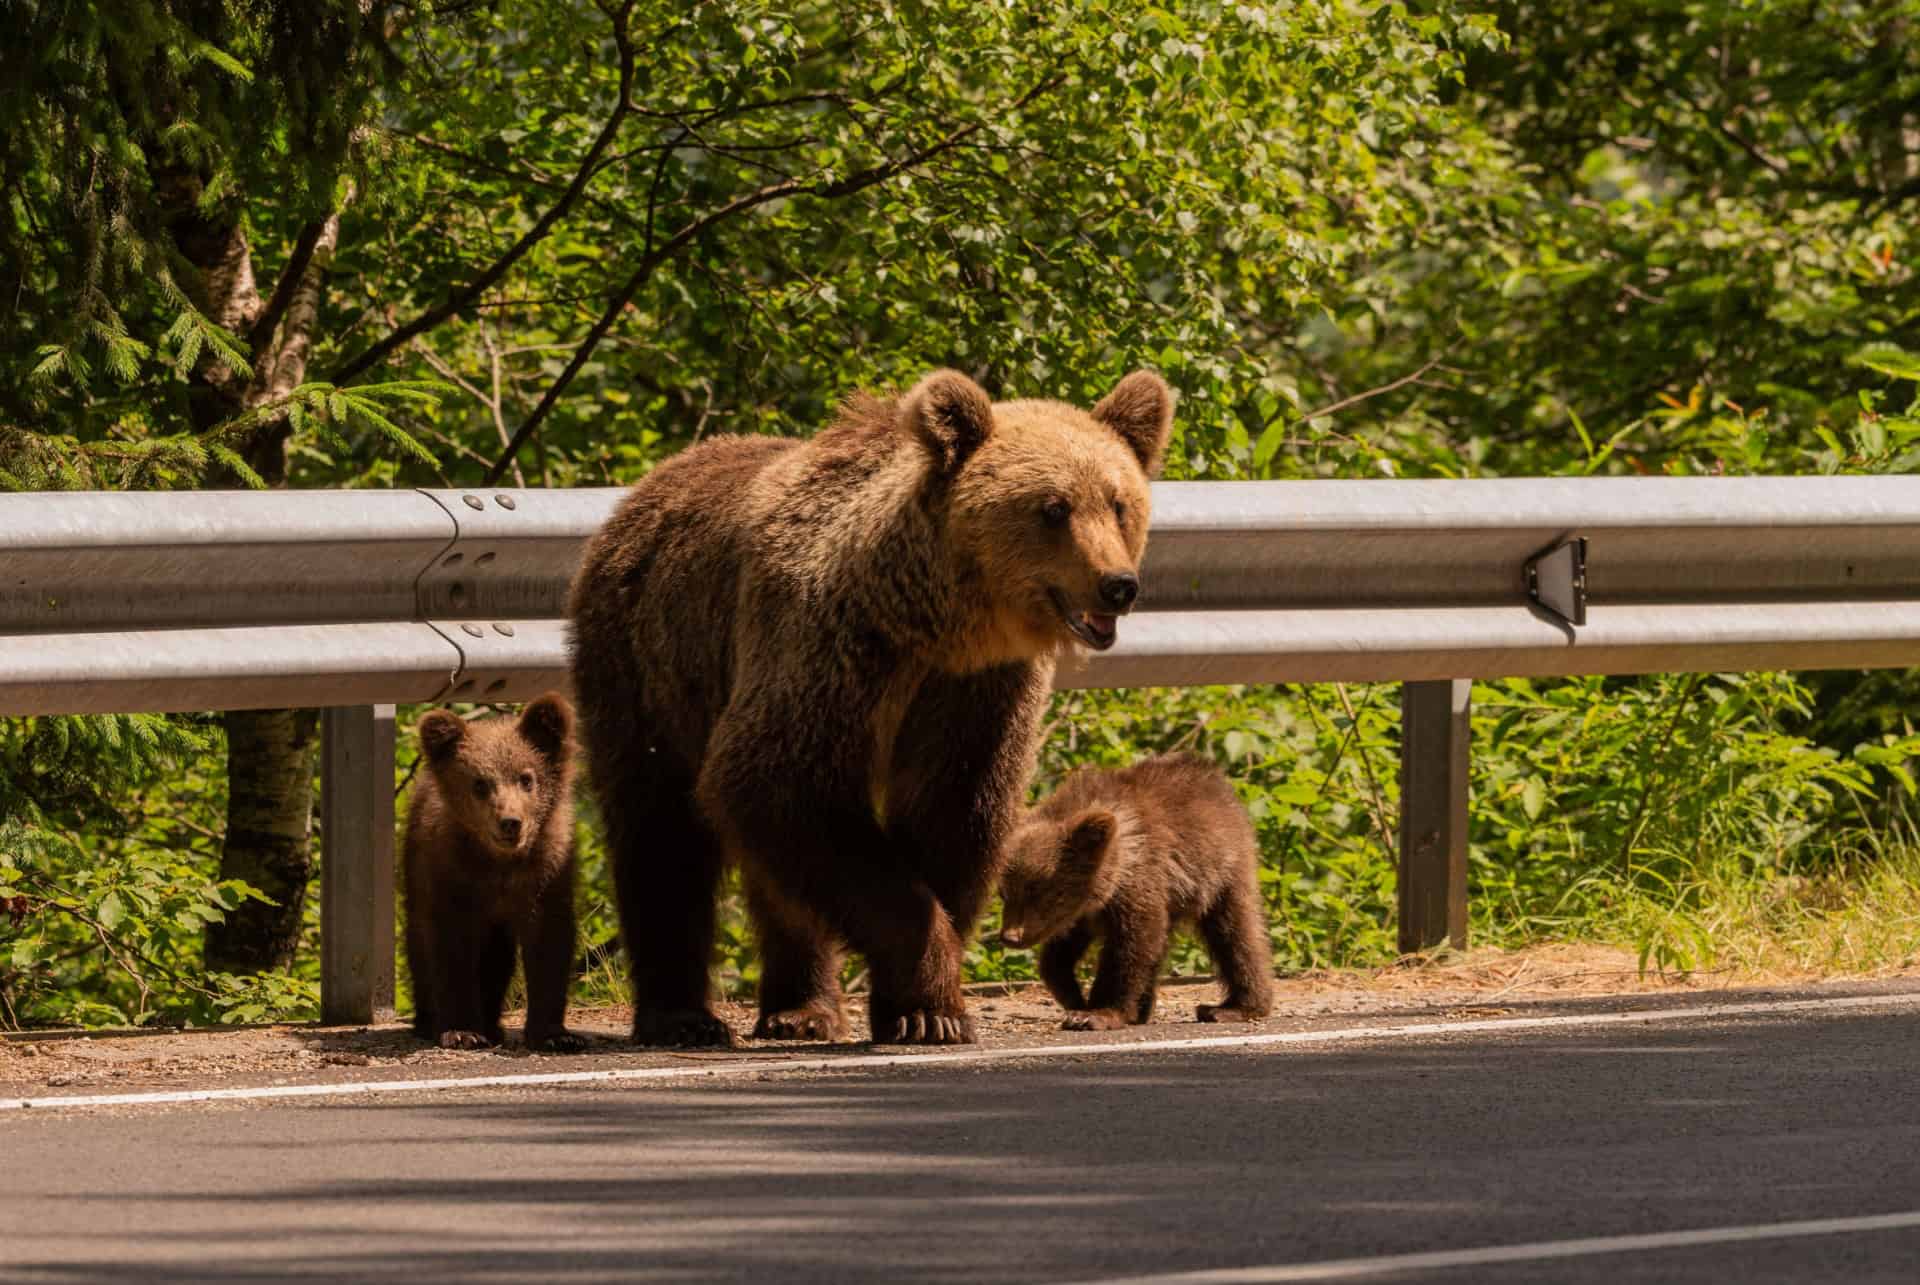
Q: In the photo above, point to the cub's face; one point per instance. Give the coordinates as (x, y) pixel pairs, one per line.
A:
(1048, 502)
(1057, 871)
(498, 778)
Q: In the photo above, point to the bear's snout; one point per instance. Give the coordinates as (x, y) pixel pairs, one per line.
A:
(510, 828)
(1118, 590)
(1013, 935)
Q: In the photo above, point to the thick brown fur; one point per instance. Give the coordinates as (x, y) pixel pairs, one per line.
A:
(1124, 856)
(489, 868)
(827, 660)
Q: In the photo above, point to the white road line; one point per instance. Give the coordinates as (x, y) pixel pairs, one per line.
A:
(720, 1067)
(1353, 1268)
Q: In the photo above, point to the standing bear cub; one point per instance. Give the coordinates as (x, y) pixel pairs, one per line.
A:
(1124, 856)
(489, 867)
(826, 661)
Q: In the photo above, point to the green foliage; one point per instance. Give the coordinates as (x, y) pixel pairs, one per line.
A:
(126, 130)
(104, 884)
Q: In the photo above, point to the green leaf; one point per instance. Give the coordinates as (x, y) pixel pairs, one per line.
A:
(1888, 359)
(1533, 797)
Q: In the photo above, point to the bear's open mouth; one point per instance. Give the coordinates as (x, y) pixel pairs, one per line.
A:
(1096, 629)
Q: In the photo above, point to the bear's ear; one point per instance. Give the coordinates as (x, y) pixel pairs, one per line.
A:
(441, 733)
(1087, 853)
(1140, 411)
(547, 725)
(950, 415)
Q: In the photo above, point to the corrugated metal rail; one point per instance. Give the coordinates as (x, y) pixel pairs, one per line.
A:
(359, 600)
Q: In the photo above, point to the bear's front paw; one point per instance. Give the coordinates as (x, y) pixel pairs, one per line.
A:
(466, 1040)
(1095, 1019)
(558, 1040)
(684, 1027)
(1227, 1013)
(924, 1026)
(815, 1022)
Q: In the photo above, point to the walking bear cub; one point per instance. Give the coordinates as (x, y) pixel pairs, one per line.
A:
(489, 866)
(1124, 855)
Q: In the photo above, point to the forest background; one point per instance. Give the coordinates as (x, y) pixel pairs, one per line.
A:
(373, 243)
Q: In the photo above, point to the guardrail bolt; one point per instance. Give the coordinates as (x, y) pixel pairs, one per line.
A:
(474, 501)
(504, 501)
(453, 560)
(472, 631)
(483, 560)
(504, 630)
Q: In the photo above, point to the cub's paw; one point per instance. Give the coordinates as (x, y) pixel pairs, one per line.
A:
(556, 1041)
(466, 1040)
(1095, 1019)
(682, 1027)
(924, 1026)
(811, 1023)
(1227, 1013)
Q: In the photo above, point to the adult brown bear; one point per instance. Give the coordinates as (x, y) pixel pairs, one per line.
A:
(828, 660)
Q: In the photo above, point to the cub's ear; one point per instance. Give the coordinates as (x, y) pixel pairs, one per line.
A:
(950, 415)
(547, 724)
(1087, 842)
(441, 733)
(1089, 855)
(1140, 411)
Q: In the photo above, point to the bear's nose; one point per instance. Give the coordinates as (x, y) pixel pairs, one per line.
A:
(510, 829)
(1119, 589)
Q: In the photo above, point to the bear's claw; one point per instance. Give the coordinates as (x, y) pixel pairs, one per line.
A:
(560, 1041)
(1226, 1013)
(465, 1040)
(684, 1027)
(924, 1026)
(1095, 1019)
(801, 1024)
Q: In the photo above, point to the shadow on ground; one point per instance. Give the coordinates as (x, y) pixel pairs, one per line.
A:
(1047, 1171)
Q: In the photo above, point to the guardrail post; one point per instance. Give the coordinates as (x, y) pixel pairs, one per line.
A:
(1434, 746)
(356, 879)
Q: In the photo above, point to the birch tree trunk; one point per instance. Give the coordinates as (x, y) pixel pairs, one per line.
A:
(268, 841)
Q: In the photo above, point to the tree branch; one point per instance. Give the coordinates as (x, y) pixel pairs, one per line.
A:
(1411, 377)
(589, 165)
(656, 255)
(260, 334)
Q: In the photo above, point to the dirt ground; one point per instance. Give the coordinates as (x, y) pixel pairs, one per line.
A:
(1478, 984)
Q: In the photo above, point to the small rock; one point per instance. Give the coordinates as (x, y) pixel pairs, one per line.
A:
(347, 1059)
(29, 1050)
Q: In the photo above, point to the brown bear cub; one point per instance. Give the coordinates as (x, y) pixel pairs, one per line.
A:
(489, 868)
(1124, 856)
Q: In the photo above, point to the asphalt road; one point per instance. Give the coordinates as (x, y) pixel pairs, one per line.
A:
(1114, 1166)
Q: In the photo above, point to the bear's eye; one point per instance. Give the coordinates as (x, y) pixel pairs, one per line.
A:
(1056, 512)
(526, 780)
(1120, 511)
(482, 787)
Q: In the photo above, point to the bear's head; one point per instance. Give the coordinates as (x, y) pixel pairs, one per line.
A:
(1047, 504)
(501, 778)
(1059, 868)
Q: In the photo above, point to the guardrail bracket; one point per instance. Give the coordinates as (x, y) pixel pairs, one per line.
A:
(1557, 580)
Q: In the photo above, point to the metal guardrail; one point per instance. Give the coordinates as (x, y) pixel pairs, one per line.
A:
(359, 600)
